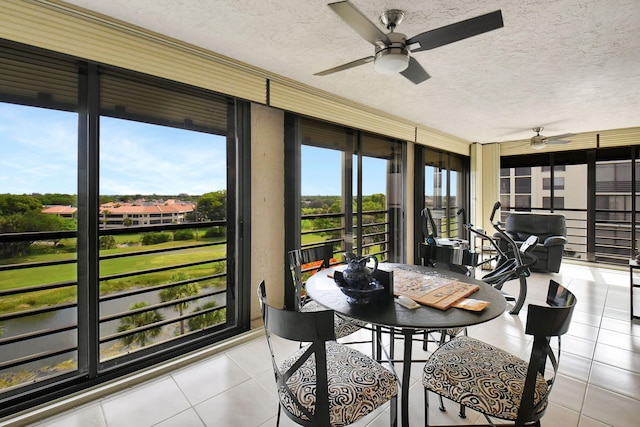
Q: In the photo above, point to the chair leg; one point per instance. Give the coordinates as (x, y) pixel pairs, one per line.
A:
(426, 407)
(375, 337)
(278, 418)
(393, 420)
(463, 412)
(392, 340)
(442, 407)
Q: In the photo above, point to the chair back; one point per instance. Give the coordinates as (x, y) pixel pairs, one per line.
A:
(553, 320)
(544, 323)
(300, 257)
(315, 328)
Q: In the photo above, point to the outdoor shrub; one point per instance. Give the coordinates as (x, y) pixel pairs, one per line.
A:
(107, 242)
(214, 232)
(154, 238)
(183, 235)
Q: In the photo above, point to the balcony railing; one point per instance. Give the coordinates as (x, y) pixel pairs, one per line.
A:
(147, 294)
(328, 227)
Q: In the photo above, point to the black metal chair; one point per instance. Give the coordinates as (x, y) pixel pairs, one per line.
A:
(498, 384)
(321, 255)
(324, 383)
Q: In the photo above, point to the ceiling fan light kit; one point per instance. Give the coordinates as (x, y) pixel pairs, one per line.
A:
(538, 144)
(391, 60)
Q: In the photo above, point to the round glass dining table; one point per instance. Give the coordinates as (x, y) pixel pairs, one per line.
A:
(322, 288)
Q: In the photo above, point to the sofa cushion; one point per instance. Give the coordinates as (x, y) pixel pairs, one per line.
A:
(523, 225)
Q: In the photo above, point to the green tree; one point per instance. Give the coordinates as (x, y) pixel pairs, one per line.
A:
(212, 206)
(18, 204)
(179, 292)
(207, 319)
(21, 213)
(137, 320)
(57, 199)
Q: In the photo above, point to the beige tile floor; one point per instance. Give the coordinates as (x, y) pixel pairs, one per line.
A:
(598, 384)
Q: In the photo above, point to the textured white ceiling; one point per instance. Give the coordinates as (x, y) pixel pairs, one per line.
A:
(567, 65)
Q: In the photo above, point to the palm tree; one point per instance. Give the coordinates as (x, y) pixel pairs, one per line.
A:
(137, 320)
(207, 319)
(178, 292)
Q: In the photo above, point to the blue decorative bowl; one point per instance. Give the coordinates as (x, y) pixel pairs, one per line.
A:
(359, 296)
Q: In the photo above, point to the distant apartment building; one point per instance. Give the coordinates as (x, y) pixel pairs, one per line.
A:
(138, 213)
(62, 211)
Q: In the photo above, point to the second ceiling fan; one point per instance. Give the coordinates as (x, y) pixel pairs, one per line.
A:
(392, 53)
(538, 141)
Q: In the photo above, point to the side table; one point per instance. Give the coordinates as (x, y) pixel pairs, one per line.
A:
(633, 265)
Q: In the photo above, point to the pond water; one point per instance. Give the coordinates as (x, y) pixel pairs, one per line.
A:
(67, 317)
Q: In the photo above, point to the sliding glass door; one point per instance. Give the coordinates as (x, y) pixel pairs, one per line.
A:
(343, 186)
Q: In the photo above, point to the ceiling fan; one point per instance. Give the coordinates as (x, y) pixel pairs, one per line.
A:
(392, 49)
(540, 141)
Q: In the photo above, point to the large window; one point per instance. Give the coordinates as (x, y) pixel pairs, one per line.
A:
(117, 200)
(595, 192)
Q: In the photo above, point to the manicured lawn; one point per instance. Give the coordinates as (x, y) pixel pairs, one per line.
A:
(12, 279)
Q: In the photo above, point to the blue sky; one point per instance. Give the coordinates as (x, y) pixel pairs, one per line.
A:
(39, 155)
(321, 173)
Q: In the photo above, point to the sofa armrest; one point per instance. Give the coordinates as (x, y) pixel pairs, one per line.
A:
(554, 241)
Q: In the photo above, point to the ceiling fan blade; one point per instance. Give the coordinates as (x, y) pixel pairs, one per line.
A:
(458, 31)
(564, 135)
(558, 138)
(360, 23)
(346, 66)
(415, 72)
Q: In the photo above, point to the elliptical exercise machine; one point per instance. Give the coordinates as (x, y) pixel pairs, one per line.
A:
(511, 265)
(456, 255)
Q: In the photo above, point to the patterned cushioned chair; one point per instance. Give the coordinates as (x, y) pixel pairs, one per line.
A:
(322, 256)
(324, 383)
(495, 383)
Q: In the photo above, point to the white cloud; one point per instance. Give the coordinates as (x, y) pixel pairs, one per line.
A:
(39, 154)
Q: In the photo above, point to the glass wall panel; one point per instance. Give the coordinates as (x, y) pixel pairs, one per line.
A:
(351, 190)
(445, 190)
(614, 209)
(322, 207)
(163, 176)
(378, 210)
(38, 206)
